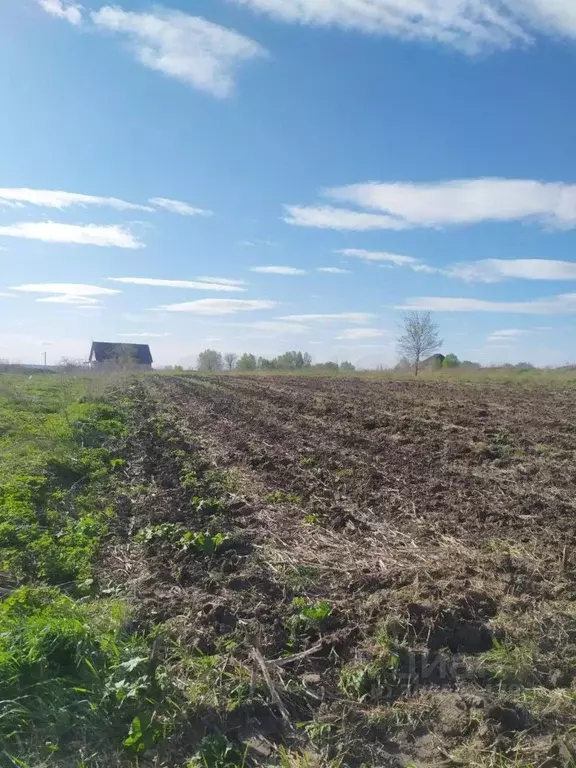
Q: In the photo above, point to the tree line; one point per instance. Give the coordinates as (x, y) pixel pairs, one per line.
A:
(212, 361)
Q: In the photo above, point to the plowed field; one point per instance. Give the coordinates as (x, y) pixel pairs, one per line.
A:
(398, 584)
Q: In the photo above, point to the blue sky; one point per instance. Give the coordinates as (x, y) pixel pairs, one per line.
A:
(363, 156)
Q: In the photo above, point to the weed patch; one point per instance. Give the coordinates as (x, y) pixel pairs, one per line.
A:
(278, 497)
(176, 535)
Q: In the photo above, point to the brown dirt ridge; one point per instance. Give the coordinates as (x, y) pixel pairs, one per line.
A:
(354, 572)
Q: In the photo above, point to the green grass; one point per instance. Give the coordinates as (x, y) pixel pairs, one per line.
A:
(54, 460)
(511, 664)
(72, 676)
(75, 679)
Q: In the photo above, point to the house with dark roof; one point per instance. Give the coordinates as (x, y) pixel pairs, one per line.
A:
(433, 362)
(109, 355)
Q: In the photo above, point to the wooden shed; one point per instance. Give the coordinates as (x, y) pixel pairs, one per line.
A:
(107, 354)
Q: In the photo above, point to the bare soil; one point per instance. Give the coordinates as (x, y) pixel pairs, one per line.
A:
(433, 521)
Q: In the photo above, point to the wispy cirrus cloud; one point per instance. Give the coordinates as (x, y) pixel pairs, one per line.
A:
(470, 26)
(278, 270)
(380, 256)
(506, 335)
(276, 327)
(333, 270)
(360, 333)
(465, 202)
(179, 207)
(222, 280)
(188, 48)
(350, 317)
(143, 335)
(497, 270)
(76, 234)
(218, 306)
(330, 217)
(73, 289)
(255, 243)
(17, 197)
(79, 295)
(63, 9)
(482, 271)
(556, 305)
(194, 285)
(83, 302)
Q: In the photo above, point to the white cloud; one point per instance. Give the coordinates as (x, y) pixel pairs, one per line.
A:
(143, 335)
(506, 335)
(63, 9)
(189, 48)
(54, 198)
(222, 280)
(254, 243)
(218, 306)
(495, 270)
(70, 289)
(333, 270)
(467, 25)
(329, 217)
(278, 270)
(360, 333)
(468, 201)
(484, 271)
(556, 305)
(83, 302)
(350, 317)
(7, 295)
(190, 284)
(87, 234)
(177, 206)
(451, 203)
(277, 326)
(391, 258)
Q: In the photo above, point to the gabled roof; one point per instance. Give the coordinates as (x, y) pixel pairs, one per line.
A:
(109, 351)
(437, 358)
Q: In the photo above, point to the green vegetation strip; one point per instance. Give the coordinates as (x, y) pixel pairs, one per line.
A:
(72, 677)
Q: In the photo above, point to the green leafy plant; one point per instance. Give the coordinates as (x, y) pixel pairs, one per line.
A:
(176, 535)
(58, 655)
(370, 679)
(218, 752)
(278, 497)
(207, 505)
(144, 733)
(308, 616)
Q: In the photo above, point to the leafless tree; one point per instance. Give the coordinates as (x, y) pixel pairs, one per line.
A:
(419, 338)
(230, 359)
(71, 364)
